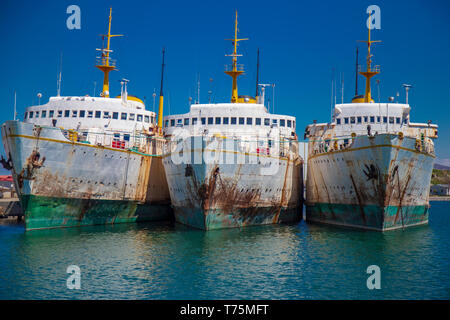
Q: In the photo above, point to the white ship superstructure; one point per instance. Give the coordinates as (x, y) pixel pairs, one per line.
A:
(233, 164)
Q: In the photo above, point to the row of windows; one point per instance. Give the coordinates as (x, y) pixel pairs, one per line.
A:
(90, 114)
(370, 119)
(229, 120)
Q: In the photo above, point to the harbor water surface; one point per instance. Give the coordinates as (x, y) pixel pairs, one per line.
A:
(170, 261)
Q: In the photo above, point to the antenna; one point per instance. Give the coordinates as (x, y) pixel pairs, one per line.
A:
(257, 73)
(210, 91)
(15, 113)
(369, 73)
(58, 84)
(198, 88)
(95, 87)
(342, 88)
(39, 95)
(378, 85)
(123, 90)
(104, 62)
(263, 90)
(331, 99)
(235, 71)
(273, 97)
(356, 73)
(407, 87)
(154, 98)
(161, 97)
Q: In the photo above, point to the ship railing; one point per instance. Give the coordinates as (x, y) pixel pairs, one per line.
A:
(239, 67)
(103, 61)
(255, 145)
(375, 68)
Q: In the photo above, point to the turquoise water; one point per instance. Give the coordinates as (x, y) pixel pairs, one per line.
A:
(165, 261)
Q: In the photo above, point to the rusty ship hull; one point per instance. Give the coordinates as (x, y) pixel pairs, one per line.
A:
(214, 194)
(63, 183)
(379, 183)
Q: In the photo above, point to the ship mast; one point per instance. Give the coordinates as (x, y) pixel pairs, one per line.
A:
(104, 62)
(234, 72)
(369, 73)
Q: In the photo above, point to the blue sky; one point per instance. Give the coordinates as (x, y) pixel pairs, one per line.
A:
(300, 43)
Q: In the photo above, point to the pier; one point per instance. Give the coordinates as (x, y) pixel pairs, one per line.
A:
(10, 207)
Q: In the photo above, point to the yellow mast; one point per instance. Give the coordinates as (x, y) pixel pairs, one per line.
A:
(369, 73)
(234, 73)
(104, 63)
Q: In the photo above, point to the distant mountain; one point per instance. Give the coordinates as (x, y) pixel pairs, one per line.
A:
(440, 167)
(442, 164)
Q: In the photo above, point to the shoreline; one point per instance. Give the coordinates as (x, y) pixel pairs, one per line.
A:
(439, 198)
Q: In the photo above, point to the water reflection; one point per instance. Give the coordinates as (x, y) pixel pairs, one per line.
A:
(171, 261)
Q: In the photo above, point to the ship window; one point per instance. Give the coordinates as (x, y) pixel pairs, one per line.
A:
(346, 120)
(139, 118)
(293, 124)
(249, 121)
(218, 120)
(359, 119)
(131, 117)
(186, 121)
(123, 116)
(115, 115)
(59, 113)
(166, 123)
(44, 114)
(405, 121)
(338, 121)
(116, 136)
(74, 113)
(210, 120)
(274, 121)
(194, 121)
(391, 119)
(172, 122)
(31, 114)
(25, 115)
(98, 114)
(126, 137)
(378, 119)
(50, 113)
(372, 119)
(397, 120)
(289, 123)
(384, 119)
(282, 123)
(66, 113)
(366, 119)
(179, 121)
(203, 120)
(82, 113)
(352, 119)
(105, 114)
(241, 120)
(147, 119)
(233, 120)
(226, 120)
(258, 121)
(266, 121)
